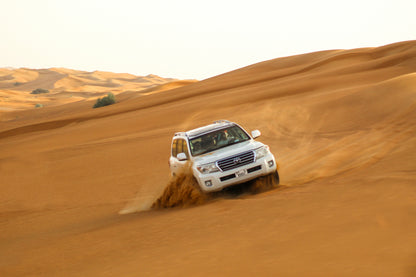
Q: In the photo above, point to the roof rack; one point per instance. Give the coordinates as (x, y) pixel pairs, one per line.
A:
(180, 134)
(221, 121)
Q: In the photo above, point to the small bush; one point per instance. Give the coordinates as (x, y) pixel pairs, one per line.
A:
(18, 83)
(39, 91)
(105, 101)
(38, 105)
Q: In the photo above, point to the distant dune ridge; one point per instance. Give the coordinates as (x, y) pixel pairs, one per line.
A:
(342, 124)
(68, 85)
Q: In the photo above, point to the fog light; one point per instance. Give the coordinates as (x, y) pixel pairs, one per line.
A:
(271, 163)
(208, 183)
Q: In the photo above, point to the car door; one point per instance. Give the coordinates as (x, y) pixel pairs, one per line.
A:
(178, 146)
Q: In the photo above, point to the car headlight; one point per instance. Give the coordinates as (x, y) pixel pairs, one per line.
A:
(261, 152)
(207, 168)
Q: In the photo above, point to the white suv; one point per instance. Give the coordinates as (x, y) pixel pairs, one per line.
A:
(222, 154)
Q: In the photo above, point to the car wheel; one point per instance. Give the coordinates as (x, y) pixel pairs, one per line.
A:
(275, 180)
(265, 183)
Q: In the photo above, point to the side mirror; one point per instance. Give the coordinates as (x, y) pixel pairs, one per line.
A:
(255, 134)
(181, 157)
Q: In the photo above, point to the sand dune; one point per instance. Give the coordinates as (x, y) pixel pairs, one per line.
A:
(68, 85)
(341, 123)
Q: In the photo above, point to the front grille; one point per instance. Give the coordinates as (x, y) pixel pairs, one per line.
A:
(236, 161)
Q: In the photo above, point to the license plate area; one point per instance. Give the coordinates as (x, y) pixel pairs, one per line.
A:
(240, 173)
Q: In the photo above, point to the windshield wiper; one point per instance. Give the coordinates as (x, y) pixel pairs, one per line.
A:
(213, 149)
(206, 151)
(235, 142)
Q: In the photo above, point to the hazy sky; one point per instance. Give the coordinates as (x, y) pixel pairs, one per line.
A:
(190, 39)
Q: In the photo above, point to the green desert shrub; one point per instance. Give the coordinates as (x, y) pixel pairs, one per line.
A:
(105, 101)
(38, 105)
(39, 91)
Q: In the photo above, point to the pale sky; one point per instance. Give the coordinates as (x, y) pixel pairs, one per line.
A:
(190, 39)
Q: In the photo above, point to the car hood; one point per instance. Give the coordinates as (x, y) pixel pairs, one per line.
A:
(227, 151)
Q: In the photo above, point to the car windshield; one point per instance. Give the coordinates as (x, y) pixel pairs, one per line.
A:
(217, 139)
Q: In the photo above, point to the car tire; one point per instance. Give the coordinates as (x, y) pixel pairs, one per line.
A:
(265, 183)
(275, 178)
(272, 180)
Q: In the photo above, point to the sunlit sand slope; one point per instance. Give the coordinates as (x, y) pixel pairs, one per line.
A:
(341, 124)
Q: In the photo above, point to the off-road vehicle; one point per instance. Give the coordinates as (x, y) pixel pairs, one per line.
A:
(222, 154)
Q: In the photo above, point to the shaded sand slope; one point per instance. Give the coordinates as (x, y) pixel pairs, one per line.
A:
(341, 123)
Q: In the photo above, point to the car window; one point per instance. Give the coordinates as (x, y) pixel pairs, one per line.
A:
(185, 148)
(174, 148)
(179, 146)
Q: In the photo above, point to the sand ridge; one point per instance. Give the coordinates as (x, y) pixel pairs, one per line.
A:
(341, 124)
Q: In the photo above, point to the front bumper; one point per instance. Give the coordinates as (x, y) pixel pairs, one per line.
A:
(218, 180)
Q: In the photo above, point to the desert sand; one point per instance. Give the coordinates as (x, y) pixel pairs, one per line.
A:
(342, 124)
